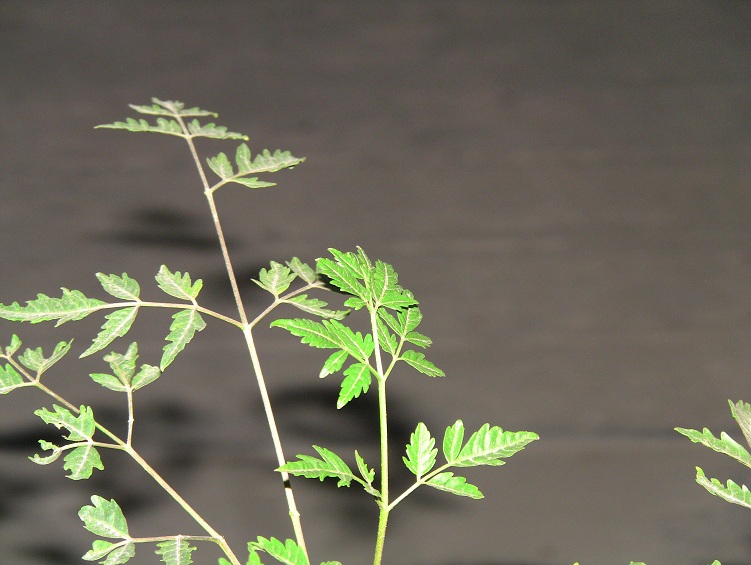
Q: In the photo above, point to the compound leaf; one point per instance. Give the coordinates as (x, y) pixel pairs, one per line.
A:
(120, 287)
(454, 484)
(117, 325)
(330, 465)
(421, 451)
(417, 361)
(725, 444)
(732, 492)
(184, 326)
(357, 380)
(72, 305)
(104, 518)
(10, 379)
(175, 551)
(287, 552)
(489, 446)
(81, 462)
(178, 285)
(276, 279)
(80, 427)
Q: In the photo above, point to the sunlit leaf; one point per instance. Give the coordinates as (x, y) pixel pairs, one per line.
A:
(417, 361)
(333, 364)
(15, 344)
(490, 445)
(742, 413)
(329, 466)
(357, 378)
(421, 451)
(453, 440)
(448, 482)
(221, 166)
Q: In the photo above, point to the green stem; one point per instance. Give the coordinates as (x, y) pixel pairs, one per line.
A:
(209, 193)
(383, 504)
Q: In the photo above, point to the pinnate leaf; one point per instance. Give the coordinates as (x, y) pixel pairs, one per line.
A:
(178, 285)
(104, 518)
(454, 484)
(724, 444)
(120, 287)
(732, 492)
(176, 551)
(357, 379)
(35, 360)
(329, 466)
(490, 445)
(72, 305)
(10, 379)
(287, 552)
(185, 324)
(417, 360)
(421, 451)
(80, 427)
(117, 325)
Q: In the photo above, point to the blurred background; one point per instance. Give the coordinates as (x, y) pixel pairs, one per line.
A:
(564, 185)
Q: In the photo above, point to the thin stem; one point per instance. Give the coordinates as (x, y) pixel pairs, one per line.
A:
(383, 504)
(131, 418)
(246, 326)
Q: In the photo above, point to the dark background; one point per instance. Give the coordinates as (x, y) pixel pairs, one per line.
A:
(563, 185)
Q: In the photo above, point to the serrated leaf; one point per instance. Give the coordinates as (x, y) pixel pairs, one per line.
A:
(178, 285)
(396, 326)
(80, 427)
(354, 303)
(328, 334)
(221, 166)
(725, 444)
(268, 162)
(120, 287)
(409, 319)
(176, 551)
(276, 279)
(117, 553)
(302, 270)
(397, 299)
(386, 339)
(109, 381)
(104, 518)
(742, 413)
(212, 131)
(315, 306)
(15, 344)
(81, 462)
(356, 381)
(329, 466)
(124, 365)
(163, 125)
(148, 374)
(288, 552)
(453, 440)
(117, 325)
(35, 360)
(99, 549)
(454, 484)
(732, 492)
(253, 182)
(421, 451)
(47, 459)
(333, 364)
(417, 360)
(184, 326)
(343, 277)
(171, 107)
(10, 379)
(367, 473)
(383, 280)
(72, 305)
(489, 446)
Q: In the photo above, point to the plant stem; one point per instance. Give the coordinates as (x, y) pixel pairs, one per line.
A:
(383, 504)
(209, 193)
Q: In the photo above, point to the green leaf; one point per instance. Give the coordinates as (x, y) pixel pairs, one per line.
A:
(383, 280)
(386, 339)
(302, 270)
(732, 492)
(268, 162)
(275, 279)
(342, 276)
(148, 374)
(72, 305)
(120, 287)
(418, 339)
(397, 299)
(104, 518)
(178, 285)
(488, 446)
(253, 182)
(80, 427)
(184, 326)
(15, 344)
(455, 485)
(10, 379)
(409, 319)
(212, 131)
(221, 166)
(742, 413)
(124, 366)
(330, 465)
(35, 360)
(452, 441)
(421, 451)
(315, 306)
(367, 473)
(82, 461)
(356, 381)
(47, 459)
(288, 552)
(333, 364)
(417, 361)
(171, 108)
(117, 325)
(117, 553)
(725, 444)
(109, 381)
(328, 334)
(163, 125)
(176, 551)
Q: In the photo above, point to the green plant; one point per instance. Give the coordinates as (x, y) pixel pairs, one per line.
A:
(365, 360)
